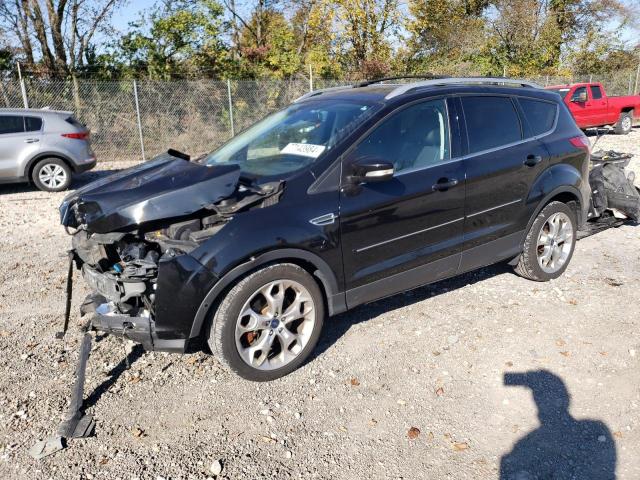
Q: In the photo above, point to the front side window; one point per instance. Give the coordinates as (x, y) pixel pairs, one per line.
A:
(292, 138)
(578, 93)
(540, 115)
(596, 92)
(414, 138)
(491, 122)
(11, 124)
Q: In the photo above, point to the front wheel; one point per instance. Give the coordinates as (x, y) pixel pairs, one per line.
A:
(549, 244)
(268, 323)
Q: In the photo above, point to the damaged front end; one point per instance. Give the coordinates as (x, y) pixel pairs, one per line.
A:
(132, 236)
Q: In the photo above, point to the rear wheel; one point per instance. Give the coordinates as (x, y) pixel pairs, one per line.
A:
(549, 244)
(625, 122)
(268, 323)
(51, 175)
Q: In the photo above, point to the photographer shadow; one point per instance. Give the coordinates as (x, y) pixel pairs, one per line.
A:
(562, 447)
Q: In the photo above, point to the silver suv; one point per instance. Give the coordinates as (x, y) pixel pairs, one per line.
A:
(44, 147)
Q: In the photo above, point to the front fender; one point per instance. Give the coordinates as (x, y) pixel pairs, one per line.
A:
(336, 300)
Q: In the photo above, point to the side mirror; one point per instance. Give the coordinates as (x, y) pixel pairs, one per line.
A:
(371, 169)
(579, 97)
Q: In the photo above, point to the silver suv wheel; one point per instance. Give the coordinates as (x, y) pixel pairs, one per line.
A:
(275, 324)
(52, 176)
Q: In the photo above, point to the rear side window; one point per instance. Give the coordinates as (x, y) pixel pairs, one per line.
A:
(11, 124)
(596, 92)
(540, 115)
(491, 122)
(32, 124)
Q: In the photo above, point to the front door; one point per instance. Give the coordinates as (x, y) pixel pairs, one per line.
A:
(581, 111)
(406, 231)
(15, 145)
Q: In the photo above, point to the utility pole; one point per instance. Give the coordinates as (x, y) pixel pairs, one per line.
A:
(23, 87)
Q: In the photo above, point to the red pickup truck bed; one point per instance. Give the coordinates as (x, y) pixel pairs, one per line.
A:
(591, 107)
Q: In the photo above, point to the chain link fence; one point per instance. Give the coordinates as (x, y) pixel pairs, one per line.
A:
(132, 120)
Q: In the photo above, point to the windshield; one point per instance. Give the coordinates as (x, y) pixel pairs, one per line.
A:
(292, 138)
(562, 91)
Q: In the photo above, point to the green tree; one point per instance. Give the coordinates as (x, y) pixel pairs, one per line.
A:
(445, 36)
(183, 40)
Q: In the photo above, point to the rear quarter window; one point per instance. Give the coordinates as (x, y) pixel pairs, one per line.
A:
(75, 122)
(540, 115)
(491, 122)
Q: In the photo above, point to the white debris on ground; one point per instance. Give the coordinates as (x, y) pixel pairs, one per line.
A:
(409, 387)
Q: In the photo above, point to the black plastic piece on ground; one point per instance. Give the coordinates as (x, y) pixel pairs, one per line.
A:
(76, 424)
(67, 310)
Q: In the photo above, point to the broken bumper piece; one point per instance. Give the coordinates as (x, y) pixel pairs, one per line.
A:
(103, 317)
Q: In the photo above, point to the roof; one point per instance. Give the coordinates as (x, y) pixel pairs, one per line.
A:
(39, 111)
(387, 91)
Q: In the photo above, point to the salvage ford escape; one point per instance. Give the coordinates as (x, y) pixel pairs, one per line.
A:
(344, 197)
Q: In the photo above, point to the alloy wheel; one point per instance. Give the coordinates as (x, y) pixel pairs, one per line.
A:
(52, 176)
(275, 324)
(555, 241)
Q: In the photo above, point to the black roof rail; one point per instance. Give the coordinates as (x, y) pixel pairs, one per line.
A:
(426, 76)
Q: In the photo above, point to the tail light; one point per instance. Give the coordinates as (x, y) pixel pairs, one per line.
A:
(581, 142)
(77, 136)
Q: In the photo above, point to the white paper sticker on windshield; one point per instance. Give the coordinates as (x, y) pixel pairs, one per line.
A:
(304, 149)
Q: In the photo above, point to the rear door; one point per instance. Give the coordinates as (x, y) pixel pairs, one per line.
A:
(16, 145)
(504, 159)
(405, 231)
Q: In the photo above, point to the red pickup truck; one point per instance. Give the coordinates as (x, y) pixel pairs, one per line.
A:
(591, 107)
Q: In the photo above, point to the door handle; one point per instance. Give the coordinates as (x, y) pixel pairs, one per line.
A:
(32, 140)
(444, 184)
(532, 160)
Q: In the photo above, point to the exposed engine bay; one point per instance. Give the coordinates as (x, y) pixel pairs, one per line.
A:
(158, 211)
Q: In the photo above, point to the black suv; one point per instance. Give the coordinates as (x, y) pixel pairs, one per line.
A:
(346, 196)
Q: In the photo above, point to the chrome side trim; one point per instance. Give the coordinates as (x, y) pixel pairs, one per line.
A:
(326, 219)
(384, 242)
(494, 208)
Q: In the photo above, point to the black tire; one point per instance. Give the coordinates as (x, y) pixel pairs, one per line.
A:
(625, 123)
(222, 328)
(52, 164)
(528, 266)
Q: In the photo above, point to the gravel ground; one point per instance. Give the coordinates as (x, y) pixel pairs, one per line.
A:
(409, 387)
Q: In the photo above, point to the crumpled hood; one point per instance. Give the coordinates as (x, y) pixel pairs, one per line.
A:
(162, 188)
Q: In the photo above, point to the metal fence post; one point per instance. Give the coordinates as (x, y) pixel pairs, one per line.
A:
(637, 78)
(233, 131)
(310, 78)
(135, 94)
(23, 88)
